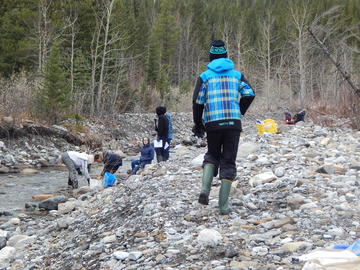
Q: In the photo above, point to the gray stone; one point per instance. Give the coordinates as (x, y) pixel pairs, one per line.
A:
(52, 203)
(2, 242)
(135, 255)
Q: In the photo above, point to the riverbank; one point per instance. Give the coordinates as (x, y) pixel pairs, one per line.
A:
(296, 191)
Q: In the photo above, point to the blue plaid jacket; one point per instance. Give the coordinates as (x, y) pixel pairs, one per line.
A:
(221, 91)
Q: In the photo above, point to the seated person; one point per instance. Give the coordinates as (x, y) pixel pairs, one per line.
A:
(111, 161)
(147, 155)
(300, 116)
(77, 163)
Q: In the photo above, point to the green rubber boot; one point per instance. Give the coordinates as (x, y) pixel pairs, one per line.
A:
(208, 175)
(224, 197)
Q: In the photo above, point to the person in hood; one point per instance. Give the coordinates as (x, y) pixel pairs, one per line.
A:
(111, 161)
(162, 129)
(146, 156)
(77, 163)
(221, 96)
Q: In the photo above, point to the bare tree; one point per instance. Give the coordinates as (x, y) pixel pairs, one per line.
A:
(300, 14)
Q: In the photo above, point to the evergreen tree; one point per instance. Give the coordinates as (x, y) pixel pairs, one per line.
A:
(54, 95)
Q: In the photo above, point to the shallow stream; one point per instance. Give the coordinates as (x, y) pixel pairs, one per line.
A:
(17, 189)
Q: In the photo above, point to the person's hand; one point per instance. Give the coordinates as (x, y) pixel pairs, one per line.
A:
(199, 131)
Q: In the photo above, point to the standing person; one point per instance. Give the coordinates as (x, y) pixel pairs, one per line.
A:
(170, 134)
(162, 129)
(77, 163)
(221, 96)
(146, 156)
(111, 161)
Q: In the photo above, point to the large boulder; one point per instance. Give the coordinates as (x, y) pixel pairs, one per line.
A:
(52, 203)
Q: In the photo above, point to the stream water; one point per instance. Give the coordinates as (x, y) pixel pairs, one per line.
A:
(17, 189)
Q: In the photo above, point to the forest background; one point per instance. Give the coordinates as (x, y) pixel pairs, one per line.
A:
(86, 58)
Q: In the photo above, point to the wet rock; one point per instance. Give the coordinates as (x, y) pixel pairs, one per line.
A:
(30, 206)
(4, 169)
(6, 213)
(209, 237)
(52, 203)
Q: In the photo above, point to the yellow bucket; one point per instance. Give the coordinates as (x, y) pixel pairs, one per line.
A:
(266, 126)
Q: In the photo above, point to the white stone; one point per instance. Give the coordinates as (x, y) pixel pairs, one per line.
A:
(259, 251)
(65, 222)
(4, 233)
(280, 172)
(135, 255)
(109, 239)
(262, 178)
(15, 239)
(6, 254)
(66, 207)
(24, 242)
(209, 237)
(14, 221)
(246, 148)
(121, 255)
(336, 231)
(2, 144)
(198, 161)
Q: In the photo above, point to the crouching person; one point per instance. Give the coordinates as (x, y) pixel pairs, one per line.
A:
(111, 161)
(146, 156)
(77, 163)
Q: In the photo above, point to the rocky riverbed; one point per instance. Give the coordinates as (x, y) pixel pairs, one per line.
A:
(295, 191)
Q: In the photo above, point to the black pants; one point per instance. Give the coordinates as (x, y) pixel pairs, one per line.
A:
(222, 151)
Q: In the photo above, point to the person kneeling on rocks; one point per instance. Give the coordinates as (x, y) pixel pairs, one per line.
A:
(146, 157)
(111, 161)
(221, 96)
(77, 163)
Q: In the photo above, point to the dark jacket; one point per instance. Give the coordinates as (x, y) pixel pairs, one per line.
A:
(147, 154)
(162, 126)
(112, 162)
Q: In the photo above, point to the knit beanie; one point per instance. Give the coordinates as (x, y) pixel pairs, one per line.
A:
(217, 50)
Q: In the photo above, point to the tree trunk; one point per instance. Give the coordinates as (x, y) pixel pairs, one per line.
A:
(103, 61)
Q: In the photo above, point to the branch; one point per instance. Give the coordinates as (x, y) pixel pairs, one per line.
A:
(337, 65)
